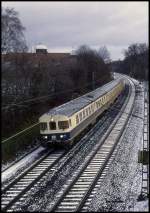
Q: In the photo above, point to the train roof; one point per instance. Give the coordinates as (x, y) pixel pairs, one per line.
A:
(77, 104)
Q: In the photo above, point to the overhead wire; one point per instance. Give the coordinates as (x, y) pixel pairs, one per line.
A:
(112, 107)
(13, 136)
(42, 97)
(38, 122)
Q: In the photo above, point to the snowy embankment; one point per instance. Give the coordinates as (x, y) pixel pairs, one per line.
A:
(20, 164)
(122, 186)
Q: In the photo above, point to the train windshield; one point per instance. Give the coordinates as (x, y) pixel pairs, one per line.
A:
(63, 124)
(43, 126)
(52, 125)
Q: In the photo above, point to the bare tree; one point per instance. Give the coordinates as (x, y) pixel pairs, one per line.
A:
(93, 69)
(13, 39)
(104, 54)
(136, 60)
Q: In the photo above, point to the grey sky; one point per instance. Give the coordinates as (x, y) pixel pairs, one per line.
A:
(62, 26)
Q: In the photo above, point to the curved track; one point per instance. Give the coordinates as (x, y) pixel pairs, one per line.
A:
(77, 191)
(76, 194)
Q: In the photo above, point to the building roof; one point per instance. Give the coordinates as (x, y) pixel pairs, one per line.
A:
(41, 46)
(77, 104)
(36, 58)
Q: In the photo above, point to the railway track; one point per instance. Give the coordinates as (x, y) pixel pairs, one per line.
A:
(79, 190)
(16, 191)
(12, 192)
(20, 165)
(20, 158)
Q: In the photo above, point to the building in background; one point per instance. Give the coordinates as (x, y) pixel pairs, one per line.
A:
(41, 49)
(39, 54)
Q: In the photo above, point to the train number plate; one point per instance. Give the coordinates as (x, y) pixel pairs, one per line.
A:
(53, 137)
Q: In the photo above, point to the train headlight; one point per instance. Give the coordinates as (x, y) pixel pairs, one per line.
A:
(61, 136)
(45, 137)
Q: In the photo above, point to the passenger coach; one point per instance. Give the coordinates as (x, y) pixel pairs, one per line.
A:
(62, 124)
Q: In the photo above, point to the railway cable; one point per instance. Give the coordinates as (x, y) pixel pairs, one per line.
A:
(26, 129)
(127, 113)
(69, 158)
(47, 96)
(30, 127)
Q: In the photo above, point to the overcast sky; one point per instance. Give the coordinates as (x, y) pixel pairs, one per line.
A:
(63, 26)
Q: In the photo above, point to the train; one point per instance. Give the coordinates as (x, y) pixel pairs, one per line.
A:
(63, 124)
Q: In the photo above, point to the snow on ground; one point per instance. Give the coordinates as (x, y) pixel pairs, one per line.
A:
(142, 206)
(26, 160)
(122, 186)
(21, 153)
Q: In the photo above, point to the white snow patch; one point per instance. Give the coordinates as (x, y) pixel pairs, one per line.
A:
(123, 181)
(141, 206)
(13, 169)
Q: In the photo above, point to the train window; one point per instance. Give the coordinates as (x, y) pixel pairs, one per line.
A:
(77, 119)
(87, 112)
(83, 113)
(104, 99)
(93, 108)
(63, 124)
(43, 126)
(69, 122)
(80, 116)
(52, 125)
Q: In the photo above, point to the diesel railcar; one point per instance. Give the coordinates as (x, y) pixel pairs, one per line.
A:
(61, 125)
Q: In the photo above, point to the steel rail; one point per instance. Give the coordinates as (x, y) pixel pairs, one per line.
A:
(56, 205)
(35, 177)
(20, 158)
(76, 149)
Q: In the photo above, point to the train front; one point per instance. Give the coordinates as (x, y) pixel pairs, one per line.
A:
(54, 129)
